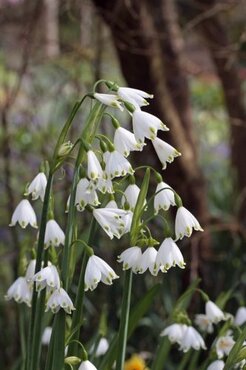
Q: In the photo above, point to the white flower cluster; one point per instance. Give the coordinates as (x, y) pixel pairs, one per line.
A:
(47, 277)
(187, 337)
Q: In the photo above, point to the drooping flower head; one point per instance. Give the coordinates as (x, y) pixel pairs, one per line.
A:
(116, 165)
(169, 255)
(54, 236)
(134, 96)
(125, 142)
(185, 222)
(87, 365)
(165, 152)
(224, 345)
(145, 125)
(110, 100)
(216, 365)
(24, 215)
(204, 323)
(174, 332)
(20, 291)
(131, 196)
(191, 339)
(112, 220)
(147, 261)
(37, 187)
(47, 277)
(131, 258)
(60, 299)
(213, 312)
(164, 197)
(94, 169)
(98, 270)
(85, 194)
(240, 317)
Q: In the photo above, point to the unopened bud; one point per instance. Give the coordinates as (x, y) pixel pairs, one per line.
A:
(72, 360)
(65, 149)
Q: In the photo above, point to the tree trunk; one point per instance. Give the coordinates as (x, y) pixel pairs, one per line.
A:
(51, 21)
(225, 61)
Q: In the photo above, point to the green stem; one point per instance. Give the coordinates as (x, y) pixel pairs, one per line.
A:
(124, 319)
(76, 321)
(58, 332)
(22, 335)
(37, 318)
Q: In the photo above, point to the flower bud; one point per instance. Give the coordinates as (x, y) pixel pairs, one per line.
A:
(65, 149)
(72, 360)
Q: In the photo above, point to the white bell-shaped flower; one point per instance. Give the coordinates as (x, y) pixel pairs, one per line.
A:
(116, 165)
(131, 196)
(102, 347)
(98, 270)
(163, 198)
(145, 125)
(37, 187)
(213, 312)
(60, 299)
(54, 236)
(216, 365)
(87, 365)
(240, 317)
(46, 335)
(224, 345)
(134, 96)
(131, 258)
(85, 194)
(125, 142)
(105, 186)
(24, 215)
(191, 339)
(112, 220)
(30, 271)
(47, 277)
(204, 323)
(185, 222)
(174, 332)
(169, 255)
(165, 152)
(111, 100)
(20, 291)
(94, 169)
(147, 261)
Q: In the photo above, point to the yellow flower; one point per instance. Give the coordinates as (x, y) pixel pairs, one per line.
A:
(135, 363)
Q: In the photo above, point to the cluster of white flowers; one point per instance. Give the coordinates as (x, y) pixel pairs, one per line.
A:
(98, 176)
(187, 337)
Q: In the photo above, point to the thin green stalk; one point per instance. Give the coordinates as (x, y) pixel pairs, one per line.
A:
(36, 319)
(76, 321)
(22, 335)
(124, 319)
(58, 333)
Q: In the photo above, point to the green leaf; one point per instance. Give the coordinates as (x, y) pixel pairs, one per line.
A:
(138, 311)
(183, 301)
(232, 359)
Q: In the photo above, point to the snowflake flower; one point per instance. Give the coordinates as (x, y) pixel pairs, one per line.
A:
(145, 125)
(60, 299)
(185, 222)
(37, 187)
(165, 152)
(54, 236)
(24, 215)
(98, 270)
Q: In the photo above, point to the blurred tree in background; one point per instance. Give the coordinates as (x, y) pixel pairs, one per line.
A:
(191, 55)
